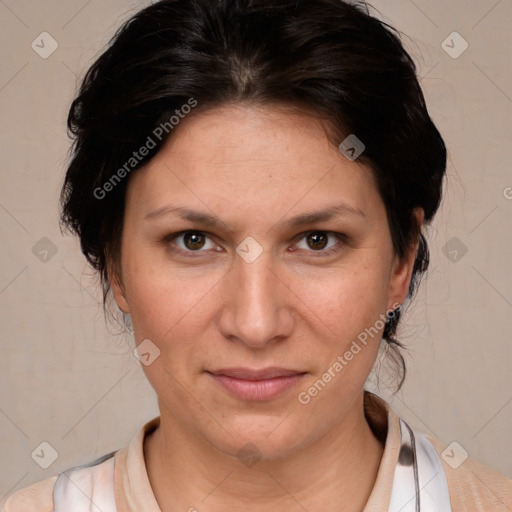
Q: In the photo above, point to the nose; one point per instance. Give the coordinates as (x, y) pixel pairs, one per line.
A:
(258, 307)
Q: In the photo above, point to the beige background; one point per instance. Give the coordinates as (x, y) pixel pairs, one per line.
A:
(68, 379)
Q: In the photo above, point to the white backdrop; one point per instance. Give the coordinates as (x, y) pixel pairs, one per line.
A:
(68, 379)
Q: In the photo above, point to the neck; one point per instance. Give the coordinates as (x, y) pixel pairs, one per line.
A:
(336, 473)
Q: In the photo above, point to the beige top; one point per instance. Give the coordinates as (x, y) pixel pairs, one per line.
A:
(473, 487)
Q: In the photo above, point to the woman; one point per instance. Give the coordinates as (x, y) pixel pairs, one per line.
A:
(250, 179)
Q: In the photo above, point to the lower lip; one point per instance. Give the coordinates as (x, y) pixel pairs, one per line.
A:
(257, 389)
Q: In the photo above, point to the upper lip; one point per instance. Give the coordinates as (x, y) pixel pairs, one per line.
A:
(261, 374)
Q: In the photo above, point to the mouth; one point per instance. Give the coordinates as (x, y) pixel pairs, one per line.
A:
(256, 385)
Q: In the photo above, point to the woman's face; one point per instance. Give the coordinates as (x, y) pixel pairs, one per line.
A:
(254, 280)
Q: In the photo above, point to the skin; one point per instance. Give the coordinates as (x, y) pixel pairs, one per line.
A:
(295, 306)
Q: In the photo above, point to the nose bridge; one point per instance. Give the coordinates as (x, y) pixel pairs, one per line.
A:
(256, 283)
(255, 313)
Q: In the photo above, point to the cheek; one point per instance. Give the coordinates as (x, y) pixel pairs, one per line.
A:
(344, 300)
(172, 312)
(163, 297)
(348, 312)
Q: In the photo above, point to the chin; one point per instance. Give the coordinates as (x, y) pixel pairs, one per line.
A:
(257, 438)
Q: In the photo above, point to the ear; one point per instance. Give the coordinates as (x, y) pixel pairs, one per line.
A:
(116, 283)
(402, 268)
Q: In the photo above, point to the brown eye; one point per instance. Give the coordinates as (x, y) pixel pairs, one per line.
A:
(189, 242)
(325, 243)
(317, 240)
(193, 240)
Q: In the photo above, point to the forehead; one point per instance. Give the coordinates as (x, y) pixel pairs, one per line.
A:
(266, 157)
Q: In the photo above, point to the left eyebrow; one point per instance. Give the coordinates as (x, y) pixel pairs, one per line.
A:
(336, 210)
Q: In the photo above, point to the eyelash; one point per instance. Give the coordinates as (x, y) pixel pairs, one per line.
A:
(169, 239)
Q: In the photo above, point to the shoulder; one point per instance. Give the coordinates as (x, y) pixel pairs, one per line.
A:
(473, 486)
(77, 485)
(73, 487)
(37, 497)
